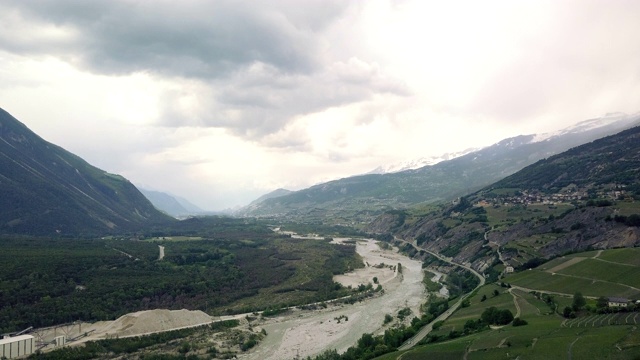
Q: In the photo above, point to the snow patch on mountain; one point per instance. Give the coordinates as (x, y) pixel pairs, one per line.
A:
(615, 121)
(421, 162)
(586, 125)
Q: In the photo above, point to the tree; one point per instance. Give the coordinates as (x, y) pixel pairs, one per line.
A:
(602, 302)
(519, 322)
(484, 297)
(578, 301)
(568, 313)
(496, 316)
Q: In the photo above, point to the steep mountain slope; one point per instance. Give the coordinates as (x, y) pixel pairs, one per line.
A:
(359, 198)
(255, 204)
(45, 189)
(586, 197)
(166, 203)
(175, 206)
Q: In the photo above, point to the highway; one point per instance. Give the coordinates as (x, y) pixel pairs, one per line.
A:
(429, 327)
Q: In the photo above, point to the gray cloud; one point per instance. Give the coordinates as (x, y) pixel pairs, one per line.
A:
(262, 100)
(191, 39)
(260, 65)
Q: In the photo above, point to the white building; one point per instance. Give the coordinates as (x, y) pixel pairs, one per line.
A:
(617, 302)
(13, 347)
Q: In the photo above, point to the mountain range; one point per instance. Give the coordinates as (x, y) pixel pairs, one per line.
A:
(174, 206)
(46, 190)
(584, 198)
(361, 198)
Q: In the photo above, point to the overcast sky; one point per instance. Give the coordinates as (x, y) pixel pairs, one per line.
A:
(223, 101)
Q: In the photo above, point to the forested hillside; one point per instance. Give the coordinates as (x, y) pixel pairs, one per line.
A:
(47, 190)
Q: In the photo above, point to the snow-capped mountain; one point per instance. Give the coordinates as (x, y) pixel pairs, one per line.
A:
(418, 163)
(611, 122)
(602, 126)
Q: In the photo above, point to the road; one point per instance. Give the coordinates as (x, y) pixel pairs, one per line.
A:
(429, 327)
(547, 292)
(161, 256)
(515, 302)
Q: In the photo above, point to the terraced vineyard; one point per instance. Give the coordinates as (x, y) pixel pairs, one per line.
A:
(605, 273)
(546, 334)
(603, 320)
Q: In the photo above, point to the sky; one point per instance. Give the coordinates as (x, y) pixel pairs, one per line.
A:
(220, 102)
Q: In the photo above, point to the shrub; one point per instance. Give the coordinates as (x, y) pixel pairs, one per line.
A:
(519, 322)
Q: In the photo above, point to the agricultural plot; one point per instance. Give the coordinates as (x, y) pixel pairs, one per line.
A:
(627, 208)
(622, 256)
(632, 318)
(544, 281)
(595, 273)
(502, 301)
(548, 335)
(512, 213)
(605, 271)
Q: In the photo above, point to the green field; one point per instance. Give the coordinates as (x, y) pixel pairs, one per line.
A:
(505, 214)
(540, 280)
(622, 256)
(548, 335)
(610, 273)
(473, 312)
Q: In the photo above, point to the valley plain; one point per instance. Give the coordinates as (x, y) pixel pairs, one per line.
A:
(383, 261)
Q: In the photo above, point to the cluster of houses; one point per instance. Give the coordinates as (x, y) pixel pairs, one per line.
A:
(531, 197)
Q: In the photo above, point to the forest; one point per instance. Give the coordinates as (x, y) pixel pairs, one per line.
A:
(53, 281)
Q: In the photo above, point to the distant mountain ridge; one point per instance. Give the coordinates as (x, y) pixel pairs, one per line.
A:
(174, 206)
(47, 190)
(583, 198)
(362, 197)
(421, 162)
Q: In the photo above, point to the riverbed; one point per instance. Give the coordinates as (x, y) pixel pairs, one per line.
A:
(307, 333)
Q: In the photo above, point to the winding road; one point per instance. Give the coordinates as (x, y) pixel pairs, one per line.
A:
(429, 327)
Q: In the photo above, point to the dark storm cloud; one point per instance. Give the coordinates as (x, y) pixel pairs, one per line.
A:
(204, 39)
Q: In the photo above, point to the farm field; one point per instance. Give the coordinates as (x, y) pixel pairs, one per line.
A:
(547, 334)
(502, 301)
(608, 273)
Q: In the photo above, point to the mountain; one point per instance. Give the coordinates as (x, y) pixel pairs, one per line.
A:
(361, 198)
(255, 204)
(584, 198)
(420, 162)
(165, 203)
(46, 190)
(174, 206)
(190, 207)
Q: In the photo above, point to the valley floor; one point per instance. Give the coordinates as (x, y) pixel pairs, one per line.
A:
(297, 332)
